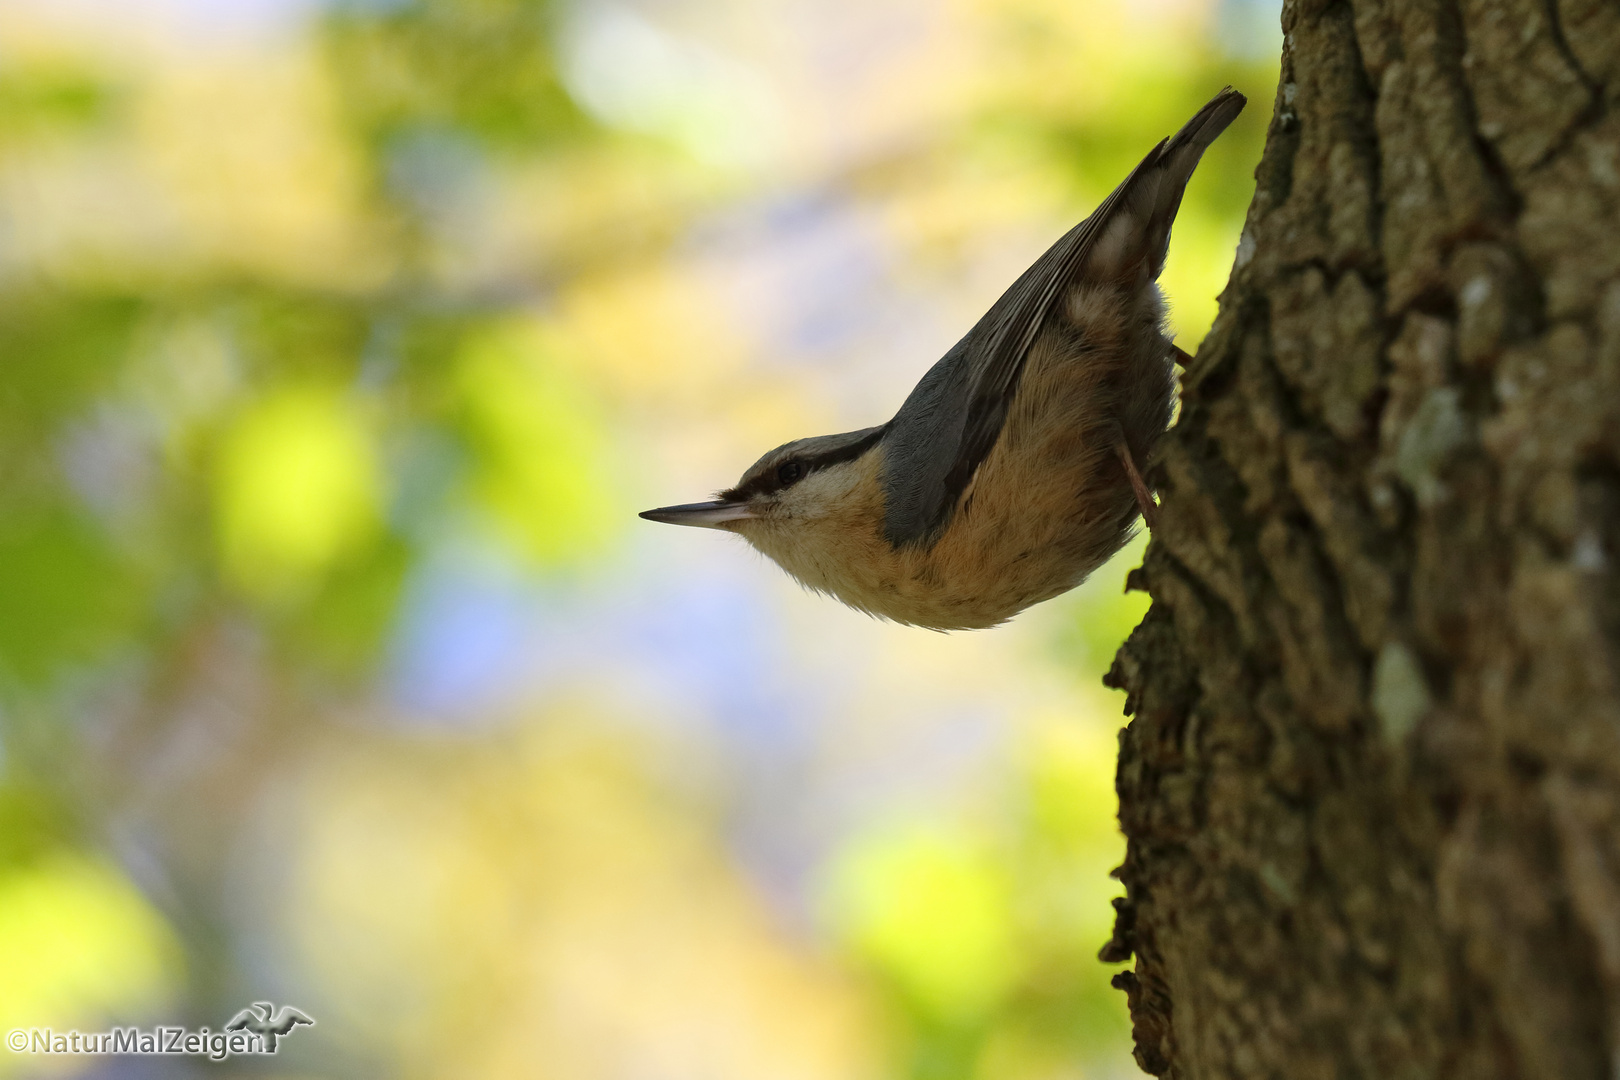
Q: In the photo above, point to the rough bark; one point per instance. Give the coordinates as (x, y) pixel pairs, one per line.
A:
(1372, 783)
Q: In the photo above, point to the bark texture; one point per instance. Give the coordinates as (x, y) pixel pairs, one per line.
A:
(1372, 783)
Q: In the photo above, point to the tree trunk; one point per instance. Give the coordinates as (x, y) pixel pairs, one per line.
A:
(1372, 783)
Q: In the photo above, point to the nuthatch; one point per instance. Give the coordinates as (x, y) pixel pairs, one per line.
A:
(1009, 473)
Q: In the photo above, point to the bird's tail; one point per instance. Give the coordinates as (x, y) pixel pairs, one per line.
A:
(1143, 207)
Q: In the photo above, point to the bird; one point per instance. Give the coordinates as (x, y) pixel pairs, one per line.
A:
(262, 1018)
(1010, 472)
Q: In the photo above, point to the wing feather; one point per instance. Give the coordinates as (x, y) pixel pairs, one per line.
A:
(963, 400)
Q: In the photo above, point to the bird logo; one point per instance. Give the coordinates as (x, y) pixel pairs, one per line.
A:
(265, 1020)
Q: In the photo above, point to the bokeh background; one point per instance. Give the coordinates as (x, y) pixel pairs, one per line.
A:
(340, 343)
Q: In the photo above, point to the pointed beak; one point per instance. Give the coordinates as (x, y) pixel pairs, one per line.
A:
(707, 515)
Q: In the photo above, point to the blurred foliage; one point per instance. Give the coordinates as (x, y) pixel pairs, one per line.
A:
(1101, 608)
(986, 932)
(543, 472)
(556, 904)
(931, 909)
(67, 596)
(61, 350)
(481, 67)
(285, 328)
(297, 489)
(80, 945)
(49, 99)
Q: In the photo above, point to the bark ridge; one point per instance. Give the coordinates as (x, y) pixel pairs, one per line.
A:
(1371, 787)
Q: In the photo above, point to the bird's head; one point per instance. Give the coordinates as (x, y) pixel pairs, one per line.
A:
(811, 505)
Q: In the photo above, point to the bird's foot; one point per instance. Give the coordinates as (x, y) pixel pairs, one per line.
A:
(1144, 498)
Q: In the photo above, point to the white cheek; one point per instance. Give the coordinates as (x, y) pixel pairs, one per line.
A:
(815, 497)
(800, 529)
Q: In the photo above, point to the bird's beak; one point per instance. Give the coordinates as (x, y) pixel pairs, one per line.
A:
(708, 515)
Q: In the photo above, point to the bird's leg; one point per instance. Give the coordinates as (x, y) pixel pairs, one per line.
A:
(1144, 499)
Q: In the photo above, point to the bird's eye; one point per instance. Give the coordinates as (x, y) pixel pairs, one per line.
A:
(791, 473)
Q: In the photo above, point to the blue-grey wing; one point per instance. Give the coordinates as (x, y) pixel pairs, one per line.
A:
(949, 423)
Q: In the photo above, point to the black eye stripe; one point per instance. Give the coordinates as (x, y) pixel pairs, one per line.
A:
(805, 460)
(780, 478)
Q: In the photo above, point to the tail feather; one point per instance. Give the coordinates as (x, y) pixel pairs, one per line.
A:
(1179, 153)
(1143, 208)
